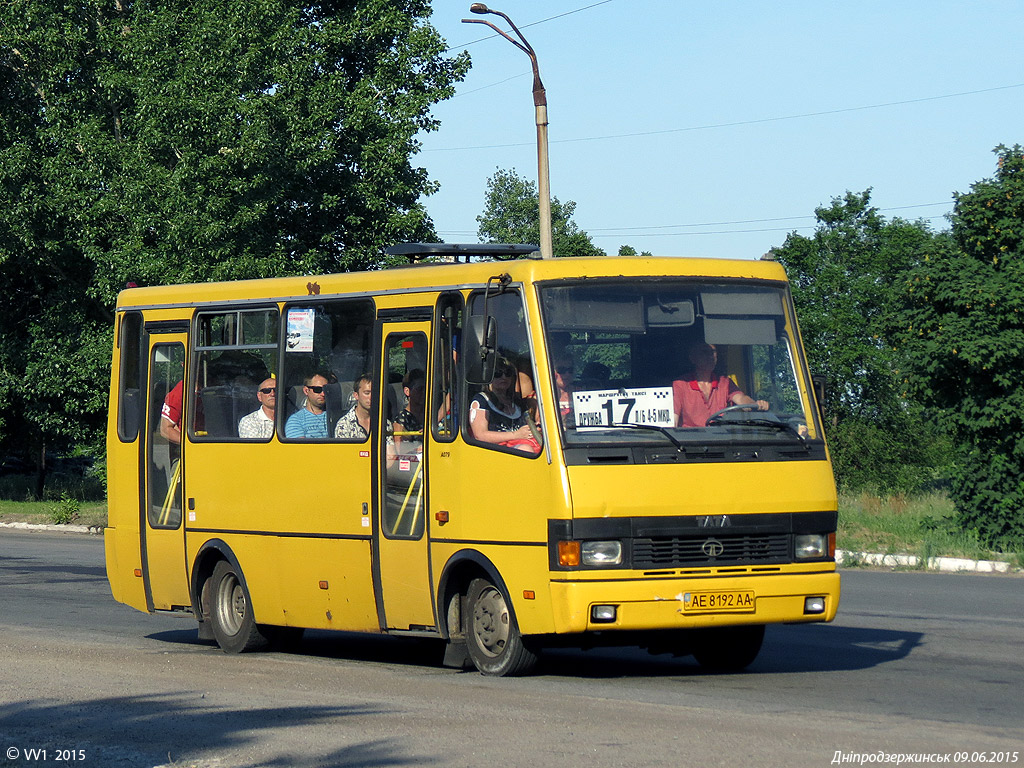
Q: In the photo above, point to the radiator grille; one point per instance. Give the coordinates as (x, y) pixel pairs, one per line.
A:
(736, 549)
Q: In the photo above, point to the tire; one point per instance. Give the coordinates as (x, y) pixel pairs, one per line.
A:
(231, 615)
(492, 637)
(728, 649)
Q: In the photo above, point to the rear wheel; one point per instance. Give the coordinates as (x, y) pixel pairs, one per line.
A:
(231, 611)
(492, 637)
(728, 649)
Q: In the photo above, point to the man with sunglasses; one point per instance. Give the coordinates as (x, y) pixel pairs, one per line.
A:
(311, 419)
(259, 425)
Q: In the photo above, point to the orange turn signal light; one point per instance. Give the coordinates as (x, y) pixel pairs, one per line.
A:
(568, 553)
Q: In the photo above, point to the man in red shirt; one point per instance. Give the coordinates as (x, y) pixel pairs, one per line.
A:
(170, 413)
(703, 393)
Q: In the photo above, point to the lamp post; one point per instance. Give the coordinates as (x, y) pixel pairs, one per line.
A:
(540, 103)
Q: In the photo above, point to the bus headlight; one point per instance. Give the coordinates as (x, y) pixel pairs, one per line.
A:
(602, 552)
(811, 546)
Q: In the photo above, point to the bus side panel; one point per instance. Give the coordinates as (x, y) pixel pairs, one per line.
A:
(293, 517)
(523, 569)
(499, 504)
(121, 547)
(317, 583)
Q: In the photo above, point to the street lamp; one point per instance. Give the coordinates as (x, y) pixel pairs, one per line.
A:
(540, 103)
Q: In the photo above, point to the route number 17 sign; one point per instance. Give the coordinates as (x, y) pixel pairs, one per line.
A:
(607, 407)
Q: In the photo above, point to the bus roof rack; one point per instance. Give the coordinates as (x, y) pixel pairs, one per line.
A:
(453, 252)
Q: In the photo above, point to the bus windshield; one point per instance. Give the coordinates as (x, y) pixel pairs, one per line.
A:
(682, 362)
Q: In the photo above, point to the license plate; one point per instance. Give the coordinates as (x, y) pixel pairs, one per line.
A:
(719, 602)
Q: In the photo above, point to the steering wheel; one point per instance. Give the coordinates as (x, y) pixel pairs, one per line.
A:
(729, 409)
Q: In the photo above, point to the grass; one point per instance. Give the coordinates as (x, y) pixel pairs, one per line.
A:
(89, 512)
(921, 525)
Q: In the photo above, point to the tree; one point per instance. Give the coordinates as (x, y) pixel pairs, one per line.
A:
(191, 141)
(512, 215)
(628, 250)
(963, 334)
(844, 281)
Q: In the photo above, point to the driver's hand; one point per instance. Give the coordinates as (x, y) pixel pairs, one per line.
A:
(762, 405)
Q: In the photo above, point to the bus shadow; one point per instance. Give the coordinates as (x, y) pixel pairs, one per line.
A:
(786, 649)
(324, 644)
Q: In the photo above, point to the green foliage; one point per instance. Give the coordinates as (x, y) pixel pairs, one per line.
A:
(845, 287)
(190, 141)
(889, 458)
(963, 334)
(65, 510)
(629, 250)
(512, 215)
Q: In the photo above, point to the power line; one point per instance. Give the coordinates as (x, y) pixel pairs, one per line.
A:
(531, 24)
(738, 123)
(618, 232)
(624, 233)
(754, 221)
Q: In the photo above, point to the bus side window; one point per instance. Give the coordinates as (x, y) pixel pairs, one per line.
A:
(513, 344)
(331, 339)
(233, 353)
(129, 416)
(445, 402)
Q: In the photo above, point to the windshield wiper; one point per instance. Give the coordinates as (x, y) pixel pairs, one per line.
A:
(761, 422)
(652, 427)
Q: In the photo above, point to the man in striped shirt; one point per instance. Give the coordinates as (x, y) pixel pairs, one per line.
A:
(311, 419)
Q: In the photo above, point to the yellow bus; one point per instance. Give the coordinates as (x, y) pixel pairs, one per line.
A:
(504, 452)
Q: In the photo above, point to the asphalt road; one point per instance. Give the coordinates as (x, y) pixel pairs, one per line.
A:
(915, 664)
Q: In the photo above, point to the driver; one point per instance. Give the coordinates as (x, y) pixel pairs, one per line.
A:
(701, 393)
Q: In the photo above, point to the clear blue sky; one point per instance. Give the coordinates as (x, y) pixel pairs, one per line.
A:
(715, 129)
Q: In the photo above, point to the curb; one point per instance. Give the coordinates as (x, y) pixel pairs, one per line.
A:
(946, 564)
(91, 529)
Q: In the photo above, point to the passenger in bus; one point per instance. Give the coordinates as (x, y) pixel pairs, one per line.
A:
(408, 425)
(526, 392)
(565, 384)
(311, 419)
(495, 415)
(355, 424)
(595, 376)
(703, 391)
(259, 424)
(170, 413)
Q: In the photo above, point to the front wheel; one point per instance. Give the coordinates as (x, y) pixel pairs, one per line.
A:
(492, 637)
(231, 615)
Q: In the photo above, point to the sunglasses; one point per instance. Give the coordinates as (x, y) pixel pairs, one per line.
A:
(317, 390)
(564, 369)
(268, 390)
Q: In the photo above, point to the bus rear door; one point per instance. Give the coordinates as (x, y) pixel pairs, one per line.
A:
(163, 539)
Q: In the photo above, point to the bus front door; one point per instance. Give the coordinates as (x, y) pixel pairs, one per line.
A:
(163, 533)
(404, 599)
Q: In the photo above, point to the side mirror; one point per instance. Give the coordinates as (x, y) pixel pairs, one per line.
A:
(479, 347)
(819, 383)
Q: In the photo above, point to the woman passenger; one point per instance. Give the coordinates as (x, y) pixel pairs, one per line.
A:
(496, 417)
